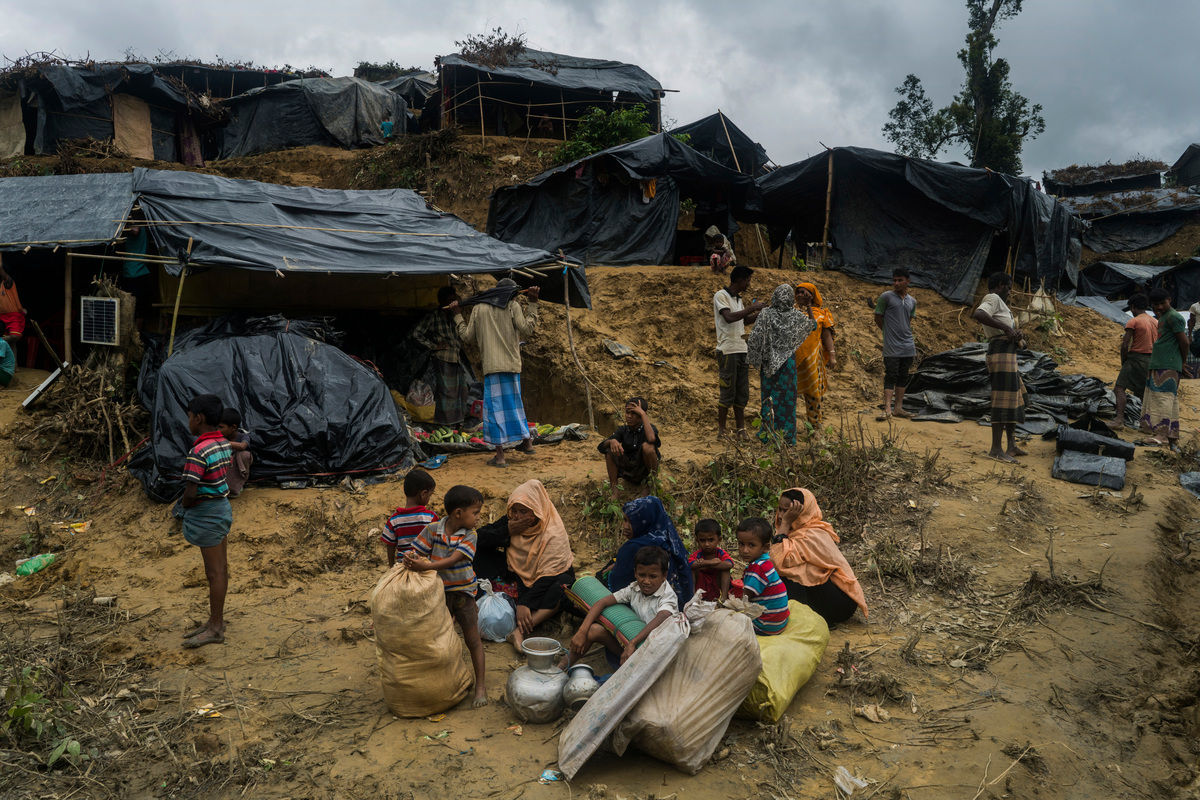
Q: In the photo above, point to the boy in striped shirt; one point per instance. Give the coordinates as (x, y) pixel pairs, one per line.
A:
(206, 512)
(448, 546)
(761, 583)
(405, 524)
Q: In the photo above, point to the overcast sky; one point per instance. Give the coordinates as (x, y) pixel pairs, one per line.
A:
(1114, 77)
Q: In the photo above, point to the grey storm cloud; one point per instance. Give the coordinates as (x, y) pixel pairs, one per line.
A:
(1113, 77)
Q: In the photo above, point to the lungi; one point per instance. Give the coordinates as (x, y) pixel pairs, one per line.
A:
(1160, 403)
(452, 391)
(1008, 392)
(503, 411)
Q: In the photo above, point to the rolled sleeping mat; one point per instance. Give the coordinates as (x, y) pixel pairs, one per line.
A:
(620, 620)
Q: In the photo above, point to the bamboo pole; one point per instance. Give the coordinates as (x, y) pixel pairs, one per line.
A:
(761, 247)
(267, 225)
(729, 140)
(587, 384)
(479, 92)
(124, 257)
(562, 100)
(178, 297)
(828, 209)
(57, 242)
(67, 311)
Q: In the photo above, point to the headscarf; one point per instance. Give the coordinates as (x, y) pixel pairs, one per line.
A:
(499, 295)
(652, 526)
(810, 555)
(777, 333)
(544, 550)
(712, 232)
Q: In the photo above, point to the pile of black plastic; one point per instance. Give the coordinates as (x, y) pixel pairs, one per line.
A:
(954, 385)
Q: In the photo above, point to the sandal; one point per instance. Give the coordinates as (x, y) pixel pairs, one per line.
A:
(492, 462)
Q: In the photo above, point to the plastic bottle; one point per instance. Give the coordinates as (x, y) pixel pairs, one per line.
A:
(36, 564)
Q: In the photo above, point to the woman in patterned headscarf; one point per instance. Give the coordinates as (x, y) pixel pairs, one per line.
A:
(780, 329)
(815, 355)
(647, 523)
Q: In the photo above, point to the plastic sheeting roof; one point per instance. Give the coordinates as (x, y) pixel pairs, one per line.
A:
(569, 72)
(250, 225)
(69, 210)
(719, 139)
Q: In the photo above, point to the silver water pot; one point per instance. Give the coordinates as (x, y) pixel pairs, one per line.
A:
(581, 685)
(535, 692)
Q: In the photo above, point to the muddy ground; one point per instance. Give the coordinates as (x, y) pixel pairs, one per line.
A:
(1080, 682)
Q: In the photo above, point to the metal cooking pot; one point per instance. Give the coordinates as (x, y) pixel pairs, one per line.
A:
(581, 684)
(536, 696)
(541, 652)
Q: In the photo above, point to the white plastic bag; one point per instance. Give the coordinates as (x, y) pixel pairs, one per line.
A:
(683, 716)
(497, 617)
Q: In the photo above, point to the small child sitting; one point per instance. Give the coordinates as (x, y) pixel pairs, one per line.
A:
(711, 565)
(448, 546)
(650, 596)
(239, 445)
(407, 522)
(761, 582)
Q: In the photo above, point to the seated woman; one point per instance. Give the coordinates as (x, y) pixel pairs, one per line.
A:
(539, 555)
(807, 558)
(648, 524)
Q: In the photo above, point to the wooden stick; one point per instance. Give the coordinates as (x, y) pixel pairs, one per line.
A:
(587, 385)
(479, 92)
(828, 209)
(37, 329)
(761, 247)
(564, 113)
(67, 310)
(237, 708)
(178, 297)
(284, 227)
(123, 258)
(730, 140)
(56, 242)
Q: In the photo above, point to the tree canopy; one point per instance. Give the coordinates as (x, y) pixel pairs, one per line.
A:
(986, 118)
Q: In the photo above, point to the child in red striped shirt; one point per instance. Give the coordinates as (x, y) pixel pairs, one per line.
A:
(711, 565)
(405, 524)
(761, 583)
(448, 546)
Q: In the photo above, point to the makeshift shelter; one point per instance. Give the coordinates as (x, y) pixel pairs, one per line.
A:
(619, 206)
(313, 411)
(224, 82)
(538, 93)
(1113, 281)
(1104, 179)
(1133, 220)
(946, 223)
(414, 87)
(1186, 171)
(716, 137)
(131, 105)
(336, 112)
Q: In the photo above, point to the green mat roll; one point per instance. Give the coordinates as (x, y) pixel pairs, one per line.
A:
(619, 619)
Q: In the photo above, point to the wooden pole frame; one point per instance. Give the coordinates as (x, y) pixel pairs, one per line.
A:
(587, 384)
(479, 93)
(178, 297)
(828, 210)
(67, 310)
(729, 139)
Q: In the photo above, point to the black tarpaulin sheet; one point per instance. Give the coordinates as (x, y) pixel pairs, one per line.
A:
(1133, 220)
(1105, 307)
(337, 112)
(1090, 470)
(935, 219)
(596, 210)
(311, 410)
(1122, 234)
(251, 225)
(954, 385)
(718, 138)
(568, 72)
(71, 210)
(414, 87)
(1108, 278)
(1103, 444)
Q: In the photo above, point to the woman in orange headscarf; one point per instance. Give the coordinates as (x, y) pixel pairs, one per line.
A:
(539, 554)
(816, 353)
(806, 556)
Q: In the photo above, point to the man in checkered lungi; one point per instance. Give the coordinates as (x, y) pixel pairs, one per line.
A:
(1008, 392)
(497, 326)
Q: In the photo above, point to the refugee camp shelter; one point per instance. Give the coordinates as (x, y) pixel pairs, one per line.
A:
(135, 107)
(1088, 180)
(225, 81)
(335, 112)
(414, 87)
(716, 137)
(1186, 171)
(1133, 220)
(537, 93)
(949, 224)
(619, 206)
(1114, 281)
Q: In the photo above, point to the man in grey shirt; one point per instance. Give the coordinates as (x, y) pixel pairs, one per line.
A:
(893, 314)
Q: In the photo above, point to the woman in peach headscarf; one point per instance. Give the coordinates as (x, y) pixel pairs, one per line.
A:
(806, 556)
(539, 554)
(816, 354)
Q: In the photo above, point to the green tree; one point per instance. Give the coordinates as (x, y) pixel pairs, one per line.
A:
(986, 118)
(599, 130)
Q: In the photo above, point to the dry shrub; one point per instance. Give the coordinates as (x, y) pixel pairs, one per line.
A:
(856, 677)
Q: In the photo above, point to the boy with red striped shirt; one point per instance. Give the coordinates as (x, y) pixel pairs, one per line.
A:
(448, 546)
(206, 512)
(405, 524)
(761, 583)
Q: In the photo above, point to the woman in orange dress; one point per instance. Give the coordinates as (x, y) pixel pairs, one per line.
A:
(815, 355)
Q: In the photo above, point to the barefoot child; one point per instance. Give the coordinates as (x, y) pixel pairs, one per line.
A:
(407, 522)
(761, 583)
(239, 446)
(206, 512)
(448, 546)
(650, 596)
(711, 565)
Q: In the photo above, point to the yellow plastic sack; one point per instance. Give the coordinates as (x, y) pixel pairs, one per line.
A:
(419, 654)
(788, 661)
(416, 413)
(683, 716)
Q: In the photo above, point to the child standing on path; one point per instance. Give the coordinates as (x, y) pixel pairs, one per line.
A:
(206, 512)
(1140, 333)
(893, 314)
(406, 523)
(711, 565)
(761, 583)
(239, 446)
(448, 546)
